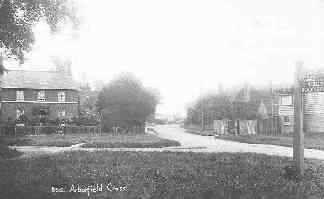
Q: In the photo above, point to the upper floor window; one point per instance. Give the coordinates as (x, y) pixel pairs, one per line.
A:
(61, 113)
(41, 96)
(20, 95)
(61, 96)
(286, 120)
(286, 100)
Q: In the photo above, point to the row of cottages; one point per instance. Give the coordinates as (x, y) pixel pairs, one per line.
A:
(265, 103)
(278, 102)
(249, 104)
(44, 94)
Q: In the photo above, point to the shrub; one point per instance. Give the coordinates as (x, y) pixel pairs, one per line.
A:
(6, 152)
(85, 120)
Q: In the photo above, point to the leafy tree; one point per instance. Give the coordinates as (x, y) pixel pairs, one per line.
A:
(17, 18)
(215, 107)
(249, 109)
(126, 103)
(88, 99)
(220, 107)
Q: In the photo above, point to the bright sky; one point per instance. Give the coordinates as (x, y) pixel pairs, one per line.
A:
(186, 47)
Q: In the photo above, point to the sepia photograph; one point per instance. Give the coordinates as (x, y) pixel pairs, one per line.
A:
(146, 99)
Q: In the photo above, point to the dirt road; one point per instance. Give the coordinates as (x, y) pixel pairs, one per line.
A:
(189, 143)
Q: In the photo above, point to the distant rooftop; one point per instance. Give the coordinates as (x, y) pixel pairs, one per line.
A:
(37, 80)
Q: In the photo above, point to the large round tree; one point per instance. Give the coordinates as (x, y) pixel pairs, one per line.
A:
(126, 103)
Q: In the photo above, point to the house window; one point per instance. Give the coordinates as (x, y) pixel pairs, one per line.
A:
(61, 113)
(286, 100)
(20, 95)
(61, 96)
(41, 96)
(286, 120)
(19, 112)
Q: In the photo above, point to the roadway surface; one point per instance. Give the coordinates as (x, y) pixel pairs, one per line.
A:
(189, 143)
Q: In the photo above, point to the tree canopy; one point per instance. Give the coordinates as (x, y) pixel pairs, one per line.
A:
(221, 106)
(88, 99)
(125, 102)
(17, 18)
(216, 106)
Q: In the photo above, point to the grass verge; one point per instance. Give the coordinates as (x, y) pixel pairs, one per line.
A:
(100, 141)
(312, 141)
(159, 175)
(6, 152)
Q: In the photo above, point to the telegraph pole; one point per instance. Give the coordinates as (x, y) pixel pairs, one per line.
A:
(298, 144)
(203, 114)
(202, 107)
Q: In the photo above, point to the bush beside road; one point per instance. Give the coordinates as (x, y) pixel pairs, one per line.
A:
(6, 152)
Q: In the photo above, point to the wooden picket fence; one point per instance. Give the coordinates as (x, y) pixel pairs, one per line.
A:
(270, 126)
(69, 129)
(38, 130)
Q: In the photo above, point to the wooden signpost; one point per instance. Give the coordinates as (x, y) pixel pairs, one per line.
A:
(298, 142)
(305, 82)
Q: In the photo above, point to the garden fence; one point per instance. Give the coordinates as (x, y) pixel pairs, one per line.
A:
(37, 130)
(270, 126)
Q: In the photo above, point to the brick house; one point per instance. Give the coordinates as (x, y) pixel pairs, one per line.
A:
(42, 94)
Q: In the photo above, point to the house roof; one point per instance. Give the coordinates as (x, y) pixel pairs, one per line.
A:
(37, 80)
(258, 96)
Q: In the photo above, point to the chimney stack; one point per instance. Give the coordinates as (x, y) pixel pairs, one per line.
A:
(247, 92)
(64, 66)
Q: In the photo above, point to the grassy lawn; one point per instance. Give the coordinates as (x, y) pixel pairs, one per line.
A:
(6, 152)
(159, 175)
(312, 141)
(104, 140)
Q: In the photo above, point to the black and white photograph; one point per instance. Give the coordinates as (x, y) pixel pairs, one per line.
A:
(173, 99)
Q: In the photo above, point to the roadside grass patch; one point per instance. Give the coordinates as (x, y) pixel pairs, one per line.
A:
(160, 175)
(312, 141)
(92, 141)
(6, 152)
(129, 141)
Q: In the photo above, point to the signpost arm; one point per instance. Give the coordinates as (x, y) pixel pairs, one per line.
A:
(298, 144)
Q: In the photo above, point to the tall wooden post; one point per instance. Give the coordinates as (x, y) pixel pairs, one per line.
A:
(203, 114)
(298, 144)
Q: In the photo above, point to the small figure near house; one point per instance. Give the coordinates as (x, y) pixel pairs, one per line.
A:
(61, 128)
(20, 124)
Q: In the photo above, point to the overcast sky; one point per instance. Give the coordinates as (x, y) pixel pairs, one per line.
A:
(186, 47)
